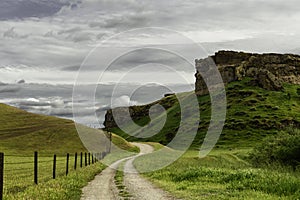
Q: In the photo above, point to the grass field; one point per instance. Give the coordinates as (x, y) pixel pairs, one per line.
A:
(64, 187)
(18, 173)
(224, 175)
(22, 133)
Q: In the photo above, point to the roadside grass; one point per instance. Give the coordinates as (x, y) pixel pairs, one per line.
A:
(122, 144)
(65, 187)
(19, 168)
(156, 146)
(119, 181)
(19, 171)
(224, 175)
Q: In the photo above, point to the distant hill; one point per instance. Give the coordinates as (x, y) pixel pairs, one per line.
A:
(253, 109)
(24, 132)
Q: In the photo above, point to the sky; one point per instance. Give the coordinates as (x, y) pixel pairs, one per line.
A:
(42, 37)
(48, 41)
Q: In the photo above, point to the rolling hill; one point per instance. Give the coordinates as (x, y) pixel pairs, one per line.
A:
(24, 132)
(255, 107)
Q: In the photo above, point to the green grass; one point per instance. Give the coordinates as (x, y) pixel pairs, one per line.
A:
(22, 133)
(119, 181)
(223, 175)
(156, 146)
(252, 114)
(65, 187)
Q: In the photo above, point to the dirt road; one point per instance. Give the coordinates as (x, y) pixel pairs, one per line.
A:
(103, 186)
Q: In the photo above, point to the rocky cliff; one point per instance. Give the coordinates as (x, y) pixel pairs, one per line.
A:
(268, 71)
(256, 106)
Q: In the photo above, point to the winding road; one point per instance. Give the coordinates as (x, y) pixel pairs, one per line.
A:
(104, 188)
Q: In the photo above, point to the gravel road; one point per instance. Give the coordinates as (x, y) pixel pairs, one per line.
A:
(104, 188)
(138, 187)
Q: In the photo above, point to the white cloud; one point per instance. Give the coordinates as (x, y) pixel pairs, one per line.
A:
(123, 101)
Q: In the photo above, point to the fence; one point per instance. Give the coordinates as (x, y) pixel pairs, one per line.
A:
(17, 172)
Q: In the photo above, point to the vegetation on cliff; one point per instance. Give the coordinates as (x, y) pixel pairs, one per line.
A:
(252, 114)
(253, 110)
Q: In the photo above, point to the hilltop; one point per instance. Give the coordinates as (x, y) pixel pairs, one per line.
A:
(24, 132)
(263, 94)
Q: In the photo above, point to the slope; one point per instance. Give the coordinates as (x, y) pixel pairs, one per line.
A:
(252, 113)
(24, 132)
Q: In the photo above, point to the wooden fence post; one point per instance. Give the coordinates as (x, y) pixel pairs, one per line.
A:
(36, 167)
(110, 140)
(67, 164)
(54, 166)
(85, 159)
(1, 174)
(81, 159)
(75, 161)
(92, 158)
(89, 158)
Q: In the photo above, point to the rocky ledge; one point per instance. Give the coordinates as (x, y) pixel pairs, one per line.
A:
(268, 71)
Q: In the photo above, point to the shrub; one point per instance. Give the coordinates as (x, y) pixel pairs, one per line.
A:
(283, 148)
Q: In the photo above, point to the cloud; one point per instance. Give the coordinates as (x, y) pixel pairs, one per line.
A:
(11, 33)
(5, 88)
(123, 101)
(29, 8)
(71, 68)
(22, 81)
(57, 35)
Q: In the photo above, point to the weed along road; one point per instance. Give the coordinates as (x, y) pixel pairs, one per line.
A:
(103, 187)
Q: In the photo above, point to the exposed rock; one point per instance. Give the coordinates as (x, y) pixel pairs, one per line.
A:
(269, 71)
(268, 81)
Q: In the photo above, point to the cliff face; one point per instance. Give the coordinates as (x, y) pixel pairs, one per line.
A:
(268, 71)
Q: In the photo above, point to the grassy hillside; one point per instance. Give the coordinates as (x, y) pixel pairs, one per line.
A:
(24, 132)
(252, 113)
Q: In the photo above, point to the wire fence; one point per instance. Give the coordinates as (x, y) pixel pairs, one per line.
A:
(17, 172)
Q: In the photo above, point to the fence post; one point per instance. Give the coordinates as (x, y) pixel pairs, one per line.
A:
(75, 161)
(89, 158)
(110, 140)
(1, 174)
(54, 166)
(81, 159)
(85, 159)
(67, 164)
(36, 167)
(92, 158)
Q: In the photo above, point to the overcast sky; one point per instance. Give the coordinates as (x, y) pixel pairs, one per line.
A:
(47, 40)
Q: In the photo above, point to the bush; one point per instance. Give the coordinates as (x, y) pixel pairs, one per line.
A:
(283, 148)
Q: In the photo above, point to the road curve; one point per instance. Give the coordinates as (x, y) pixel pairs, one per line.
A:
(104, 188)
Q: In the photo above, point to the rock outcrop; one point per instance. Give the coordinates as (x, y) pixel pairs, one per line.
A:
(268, 71)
